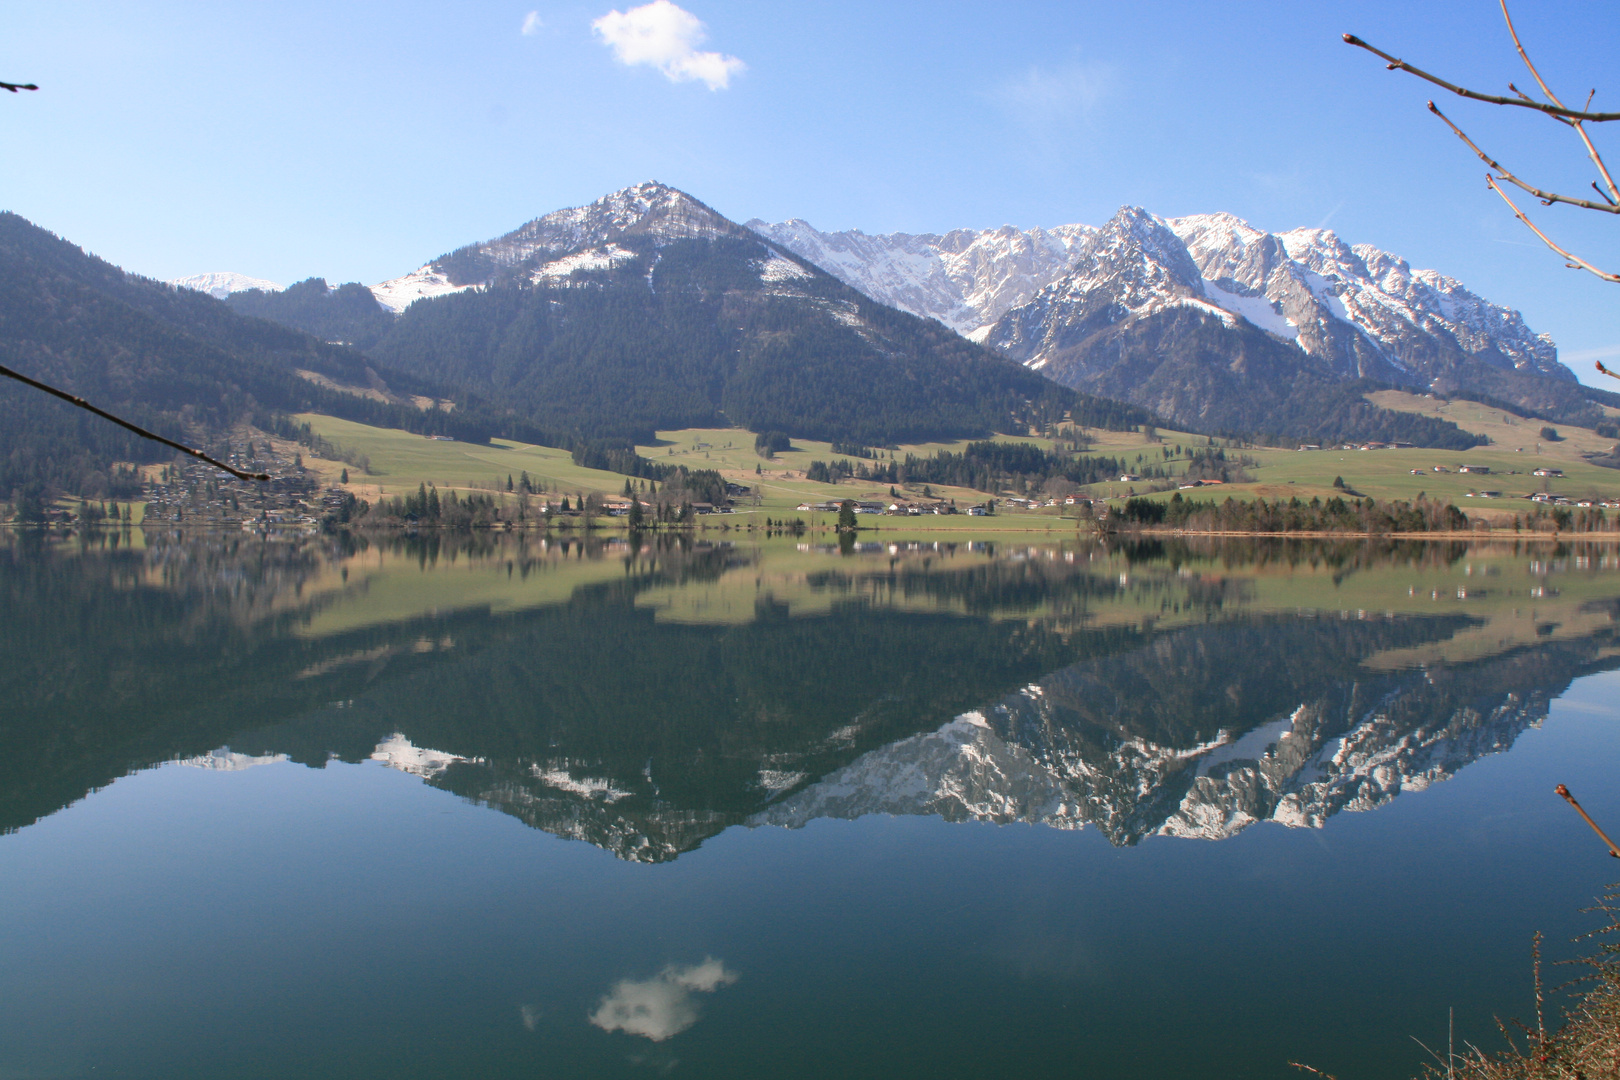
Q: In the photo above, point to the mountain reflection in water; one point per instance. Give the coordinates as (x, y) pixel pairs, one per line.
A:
(646, 699)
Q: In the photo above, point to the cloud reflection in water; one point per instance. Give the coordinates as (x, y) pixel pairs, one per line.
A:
(662, 1006)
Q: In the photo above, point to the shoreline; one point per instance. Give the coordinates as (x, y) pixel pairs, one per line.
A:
(1076, 532)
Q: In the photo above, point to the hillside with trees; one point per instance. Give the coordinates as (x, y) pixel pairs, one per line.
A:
(689, 333)
(347, 314)
(176, 361)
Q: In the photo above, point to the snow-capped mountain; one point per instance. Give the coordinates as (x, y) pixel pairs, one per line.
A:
(222, 284)
(559, 243)
(966, 278)
(1132, 266)
(1283, 772)
(647, 309)
(1212, 322)
(1334, 300)
(1184, 735)
(1068, 301)
(1363, 310)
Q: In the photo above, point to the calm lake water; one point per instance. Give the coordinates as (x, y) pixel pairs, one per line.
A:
(435, 807)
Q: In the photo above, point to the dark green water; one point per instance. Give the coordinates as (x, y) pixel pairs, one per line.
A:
(334, 808)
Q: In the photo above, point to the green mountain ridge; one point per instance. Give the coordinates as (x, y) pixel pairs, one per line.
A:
(173, 360)
(648, 310)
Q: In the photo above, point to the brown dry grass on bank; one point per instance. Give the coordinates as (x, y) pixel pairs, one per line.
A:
(1584, 1046)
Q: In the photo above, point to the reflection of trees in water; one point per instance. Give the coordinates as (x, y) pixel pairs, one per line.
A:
(113, 665)
(591, 718)
(1264, 552)
(686, 557)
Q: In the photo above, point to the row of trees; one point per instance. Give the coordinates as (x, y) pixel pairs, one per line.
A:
(992, 466)
(1294, 515)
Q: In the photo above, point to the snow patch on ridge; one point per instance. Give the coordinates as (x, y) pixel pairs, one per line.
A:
(1257, 309)
(777, 269)
(402, 292)
(589, 787)
(221, 284)
(603, 258)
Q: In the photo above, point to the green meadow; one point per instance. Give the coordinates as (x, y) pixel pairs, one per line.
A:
(400, 461)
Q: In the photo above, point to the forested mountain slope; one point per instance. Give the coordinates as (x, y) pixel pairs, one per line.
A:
(348, 314)
(174, 360)
(649, 310)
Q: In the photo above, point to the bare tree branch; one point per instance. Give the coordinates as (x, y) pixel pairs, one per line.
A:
(1548, 197)
(1534, 74)
(142, 432)
(1574, 262)
(1567, 797)
(1397, 64)
(16, 86)
(1591, 151)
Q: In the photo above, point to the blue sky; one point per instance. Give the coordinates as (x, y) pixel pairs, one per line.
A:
(358, 140)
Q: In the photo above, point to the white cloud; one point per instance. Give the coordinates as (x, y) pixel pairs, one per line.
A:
(662, 1006)
(666, 36)
(1042, 98)
(532, 24)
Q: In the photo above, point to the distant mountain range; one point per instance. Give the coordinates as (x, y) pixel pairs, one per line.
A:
(1203, 321)
(966, 279)
(648, 310)
(1106, 743)
(1206, 319)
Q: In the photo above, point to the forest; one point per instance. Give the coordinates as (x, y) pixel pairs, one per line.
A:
(175, 361)
(685, 334)
(1295, 515)
(995, 466)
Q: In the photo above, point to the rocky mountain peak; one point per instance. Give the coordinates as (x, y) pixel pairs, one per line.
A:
(650, 209)
(556, 244)
(1139, 257)
(965, 278)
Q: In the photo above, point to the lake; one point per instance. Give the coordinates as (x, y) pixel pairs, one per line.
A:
(427, 806)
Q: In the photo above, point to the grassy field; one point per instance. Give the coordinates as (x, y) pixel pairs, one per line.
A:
(1514, 453)
(400, 461)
